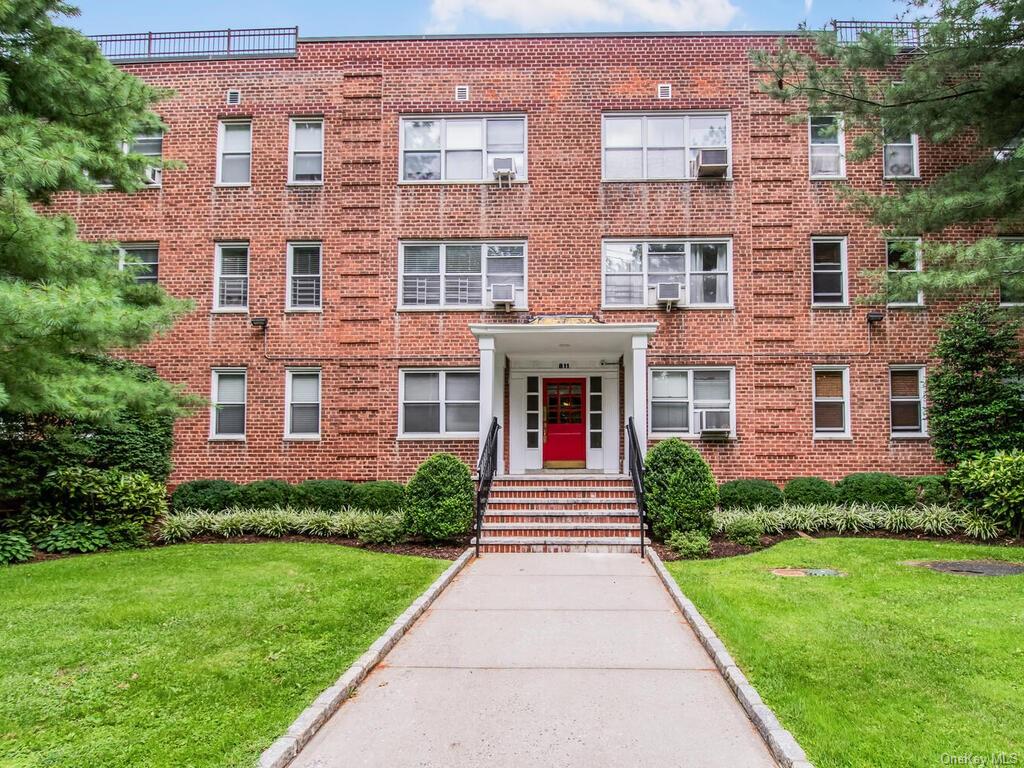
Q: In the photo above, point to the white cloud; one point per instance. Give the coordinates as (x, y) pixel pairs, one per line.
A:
(546, 15)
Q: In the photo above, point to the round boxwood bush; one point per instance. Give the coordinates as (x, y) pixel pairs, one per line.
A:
(679, 488)
(874, 488)
(749, 493)
(265, 493)
(322, 494)
(930, 489)
(440, 498)
(383, 495)
(809, 490)
(212, 495)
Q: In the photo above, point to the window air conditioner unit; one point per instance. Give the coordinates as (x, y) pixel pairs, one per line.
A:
(669, 294)
(503, 295)
(712, 163)
(152, 176)
(715, 423)
(504, 169)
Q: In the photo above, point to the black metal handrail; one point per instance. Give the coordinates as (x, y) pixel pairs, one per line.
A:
(485, 476)
(636, 472)
(205, 44)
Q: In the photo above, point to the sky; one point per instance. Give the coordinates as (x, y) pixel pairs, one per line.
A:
(326, 18)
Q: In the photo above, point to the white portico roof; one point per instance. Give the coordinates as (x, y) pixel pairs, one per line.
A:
(555, 334)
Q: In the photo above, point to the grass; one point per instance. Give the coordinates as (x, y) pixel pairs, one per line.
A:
(890, 666)
(185, 656)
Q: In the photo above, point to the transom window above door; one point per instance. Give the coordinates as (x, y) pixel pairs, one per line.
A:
(461, 275)
(666, 146)
(633, 270)
(468, 149)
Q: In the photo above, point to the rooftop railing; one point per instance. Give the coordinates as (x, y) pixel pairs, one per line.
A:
(202, 44)
(908, 35)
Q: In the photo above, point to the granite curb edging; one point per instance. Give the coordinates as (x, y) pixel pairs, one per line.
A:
(310, 720)
(783, 746)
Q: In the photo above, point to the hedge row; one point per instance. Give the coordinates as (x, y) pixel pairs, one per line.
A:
(217, 495)
(860, 488)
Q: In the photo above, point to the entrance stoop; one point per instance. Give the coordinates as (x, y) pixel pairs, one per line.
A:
(570, 512)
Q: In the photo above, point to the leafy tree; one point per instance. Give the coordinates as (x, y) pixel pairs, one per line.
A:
(65, 112)
(976, 392)
(964, 88)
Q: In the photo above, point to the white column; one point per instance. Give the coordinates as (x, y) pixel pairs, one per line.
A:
(639, 385)
(486, 387)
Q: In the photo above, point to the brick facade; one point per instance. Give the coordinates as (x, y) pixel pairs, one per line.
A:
(770, 210)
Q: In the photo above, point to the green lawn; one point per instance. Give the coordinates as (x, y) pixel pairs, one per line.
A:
(890, 666)
(192, 655)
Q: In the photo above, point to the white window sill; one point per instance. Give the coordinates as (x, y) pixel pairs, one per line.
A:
(675, 180)
(909, 436)
(304, 310)
(460, 308)
(661, 307)
(302, 438)
(472, 182)
(301, 184)
(816, 305)
(227, 439)
(835, 436)
(229, 311)
(441, 436)
(226, 185)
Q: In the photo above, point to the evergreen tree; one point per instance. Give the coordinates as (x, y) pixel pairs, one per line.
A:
(65, 112)
(963, 87)
(976, 392)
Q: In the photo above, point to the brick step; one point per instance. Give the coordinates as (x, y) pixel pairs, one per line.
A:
(630, 545)
(561, 516)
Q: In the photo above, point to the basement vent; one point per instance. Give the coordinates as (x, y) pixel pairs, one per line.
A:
(234, 96)
(664, 90)
(462, 93)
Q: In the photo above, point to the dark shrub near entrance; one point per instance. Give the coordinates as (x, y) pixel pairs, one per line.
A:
(680, 489)
(874, 488)
(809, 490)
(440, 498)
(749, 493)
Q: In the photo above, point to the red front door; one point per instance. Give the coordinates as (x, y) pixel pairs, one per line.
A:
(565, 433)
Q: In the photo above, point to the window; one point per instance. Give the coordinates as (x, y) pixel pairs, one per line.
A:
(685, 401)
(661, 146)
(306, 151)
(234, 154)
(439, 403)
(828, 271)
(899, 156)
(828, 156)
(227, 412)
(903, 257)
(906, 401)
(143, 259)
(459, 274)
(632, 271)
(461, 148)
(149, 145)
(302, 403)
(831, 396)
(231, 284)
(304, 276)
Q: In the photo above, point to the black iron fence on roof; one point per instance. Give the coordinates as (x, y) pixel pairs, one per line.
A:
(201, 44)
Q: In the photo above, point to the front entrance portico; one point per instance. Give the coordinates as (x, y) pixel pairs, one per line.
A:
(570, 380)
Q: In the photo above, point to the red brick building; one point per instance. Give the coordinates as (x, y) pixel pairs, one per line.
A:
(389, 242)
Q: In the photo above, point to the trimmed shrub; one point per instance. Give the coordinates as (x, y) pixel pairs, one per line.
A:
(264, 493)
(809, 490)
(14, 548)
(992, 486)
(745, 530)
(749, 493)
(382, 495)
(440, 498)
(679, 488)
(380, 528)
(213, 495)
(322, 494)
(689, 545)
(74, 537)
(929, 489)
(874, 488)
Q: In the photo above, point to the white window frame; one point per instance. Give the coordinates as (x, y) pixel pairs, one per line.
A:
(442, 393)
(488, 175)
(124, 248)
(291, 152)
(1010, 241)
(918, 266)
(487, 304)
(830, 434)
(915, 153)
(288, 374)
(686, 142)
(922, 388)
(214, 376)
(217, 276)
(844, 302)
(289, 274)
(840, 141)
(694, 431)
(686, 286)
(220, 151)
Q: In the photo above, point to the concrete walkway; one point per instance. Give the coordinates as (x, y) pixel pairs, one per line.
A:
(544, 660)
